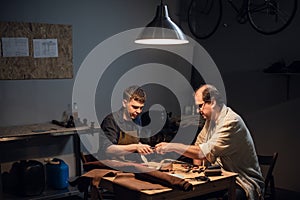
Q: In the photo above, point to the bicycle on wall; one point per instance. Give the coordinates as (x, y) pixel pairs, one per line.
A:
(265, 16)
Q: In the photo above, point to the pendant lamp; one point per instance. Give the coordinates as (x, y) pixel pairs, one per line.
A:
(161, 30)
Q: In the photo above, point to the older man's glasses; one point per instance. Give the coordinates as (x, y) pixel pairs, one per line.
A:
(201, 105)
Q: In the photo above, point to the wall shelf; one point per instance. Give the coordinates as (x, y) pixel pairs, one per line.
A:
(33, 134)
(47, 194)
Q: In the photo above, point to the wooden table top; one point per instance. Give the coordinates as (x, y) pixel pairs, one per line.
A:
(179, 172)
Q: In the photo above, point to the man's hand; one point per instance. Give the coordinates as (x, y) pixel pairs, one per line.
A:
(191, 151)
(144, 149)
(163, 147)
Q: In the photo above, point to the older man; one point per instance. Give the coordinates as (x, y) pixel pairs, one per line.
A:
(224, 140)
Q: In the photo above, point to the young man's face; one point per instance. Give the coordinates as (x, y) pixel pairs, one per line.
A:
(134, 108)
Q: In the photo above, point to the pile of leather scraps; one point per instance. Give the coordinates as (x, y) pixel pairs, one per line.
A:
(139, 178)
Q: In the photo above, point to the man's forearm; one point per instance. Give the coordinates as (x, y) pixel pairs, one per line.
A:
(119, 150)
(191, 151)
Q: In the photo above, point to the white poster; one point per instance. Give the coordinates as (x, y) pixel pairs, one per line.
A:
(45, 48)
(15, 46)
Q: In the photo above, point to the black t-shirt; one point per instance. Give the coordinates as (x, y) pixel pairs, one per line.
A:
(114, 127)
(116, 130)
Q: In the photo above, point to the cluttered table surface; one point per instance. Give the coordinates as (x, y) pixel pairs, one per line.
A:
(178, 183)
(200, 187)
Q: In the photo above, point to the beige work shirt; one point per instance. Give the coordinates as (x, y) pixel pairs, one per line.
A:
(228, 142)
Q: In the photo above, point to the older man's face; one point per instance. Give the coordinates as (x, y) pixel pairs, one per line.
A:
(204, 108)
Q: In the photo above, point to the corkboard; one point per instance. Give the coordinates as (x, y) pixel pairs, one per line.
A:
(28, 67)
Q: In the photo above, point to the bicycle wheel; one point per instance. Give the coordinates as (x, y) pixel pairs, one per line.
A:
(271, 16)
(204, 17)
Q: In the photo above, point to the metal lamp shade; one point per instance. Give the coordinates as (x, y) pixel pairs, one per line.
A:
(161, 30)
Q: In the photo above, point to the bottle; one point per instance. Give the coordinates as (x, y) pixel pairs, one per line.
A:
(193, 109)
(69, 110)
(65, 117)
(75, 112)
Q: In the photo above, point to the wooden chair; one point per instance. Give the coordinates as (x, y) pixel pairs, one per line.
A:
(85, 158)
(267, 163)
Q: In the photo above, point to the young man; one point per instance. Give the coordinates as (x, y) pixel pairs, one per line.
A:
(121, 128)
(224, 140)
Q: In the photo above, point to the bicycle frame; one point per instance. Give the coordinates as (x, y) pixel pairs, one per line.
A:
(265, 16)
(241, 12)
